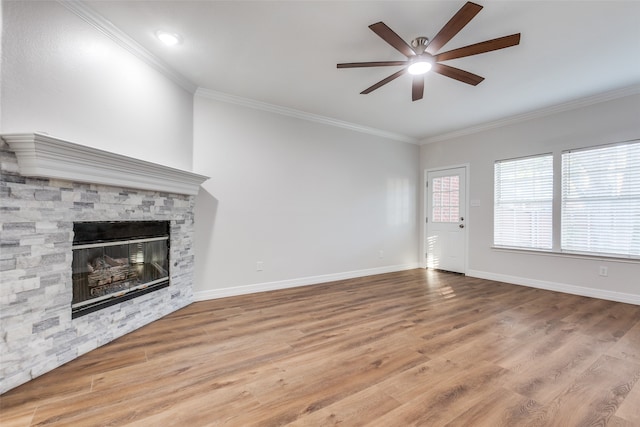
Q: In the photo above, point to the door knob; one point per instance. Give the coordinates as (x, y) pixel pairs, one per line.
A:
(461, 226)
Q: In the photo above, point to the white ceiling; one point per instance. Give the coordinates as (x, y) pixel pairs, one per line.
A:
(285, 53)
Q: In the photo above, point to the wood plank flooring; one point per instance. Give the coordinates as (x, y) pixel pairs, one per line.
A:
(414, 348)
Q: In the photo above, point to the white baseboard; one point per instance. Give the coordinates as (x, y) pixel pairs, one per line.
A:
(292, 283)
(558, 287)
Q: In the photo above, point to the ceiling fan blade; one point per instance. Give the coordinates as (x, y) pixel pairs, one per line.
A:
(482, 47)
(384, 81)
(371, 64)
(417, 88)
(457, 74)
(388, 35)
(455, 24)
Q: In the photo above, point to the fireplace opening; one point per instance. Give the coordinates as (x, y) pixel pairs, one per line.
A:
(116, 261)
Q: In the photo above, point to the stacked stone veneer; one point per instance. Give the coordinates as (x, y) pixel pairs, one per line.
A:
(37, 333)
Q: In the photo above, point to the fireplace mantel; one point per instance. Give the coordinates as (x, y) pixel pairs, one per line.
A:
(41, 155)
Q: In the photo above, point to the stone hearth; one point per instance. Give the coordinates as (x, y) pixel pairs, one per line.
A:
(37, 333)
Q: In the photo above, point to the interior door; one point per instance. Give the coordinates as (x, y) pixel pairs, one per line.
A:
(446, 232)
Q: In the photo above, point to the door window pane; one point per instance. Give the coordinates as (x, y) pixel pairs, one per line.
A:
(445, 195)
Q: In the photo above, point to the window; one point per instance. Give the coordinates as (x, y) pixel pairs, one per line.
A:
(597, 209)
(523, 202)
(601, 200)
(446, 194)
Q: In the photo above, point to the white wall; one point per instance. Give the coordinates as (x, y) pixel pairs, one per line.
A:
(62, 76)
(606, 122)
(312, 202)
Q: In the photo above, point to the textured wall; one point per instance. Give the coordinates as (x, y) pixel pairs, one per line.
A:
(306, 199)
(63, 77)
(591, 125)
(37, 333)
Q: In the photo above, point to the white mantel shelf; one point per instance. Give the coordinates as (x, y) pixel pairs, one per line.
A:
(44, 156)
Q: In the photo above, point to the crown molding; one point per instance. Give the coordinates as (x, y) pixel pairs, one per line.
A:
(123, 40)
(559, 108)
(45, 156)
(285, 111)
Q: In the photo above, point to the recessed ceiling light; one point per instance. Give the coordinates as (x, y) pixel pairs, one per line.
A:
(170, 39)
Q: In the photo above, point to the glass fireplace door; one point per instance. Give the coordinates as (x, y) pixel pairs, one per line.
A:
(103, 272)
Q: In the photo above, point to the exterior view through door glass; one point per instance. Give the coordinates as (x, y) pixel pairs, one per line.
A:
(445, 239)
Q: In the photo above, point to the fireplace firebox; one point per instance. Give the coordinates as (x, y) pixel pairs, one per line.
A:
(116, 261)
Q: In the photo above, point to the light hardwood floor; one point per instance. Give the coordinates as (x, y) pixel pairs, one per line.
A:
(410, 348)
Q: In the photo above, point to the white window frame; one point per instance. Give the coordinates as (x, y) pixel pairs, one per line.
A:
(542, 197)
(557, 215)
(617, 186)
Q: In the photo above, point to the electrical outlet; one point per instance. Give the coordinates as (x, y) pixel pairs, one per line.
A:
(259, 266)
(603, 271)
(380, 253)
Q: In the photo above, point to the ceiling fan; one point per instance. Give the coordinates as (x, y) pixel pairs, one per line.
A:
(422, 55)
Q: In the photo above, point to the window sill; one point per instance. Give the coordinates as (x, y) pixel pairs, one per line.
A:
(574, 255)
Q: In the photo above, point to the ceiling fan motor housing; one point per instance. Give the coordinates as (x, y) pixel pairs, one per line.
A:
(419, 44)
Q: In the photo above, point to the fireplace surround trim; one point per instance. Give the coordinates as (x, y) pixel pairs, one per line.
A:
(42, 155)
(36, 324)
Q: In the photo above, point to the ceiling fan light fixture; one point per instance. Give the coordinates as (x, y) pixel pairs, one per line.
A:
(419, 67)
(424, 55)
(169, 39)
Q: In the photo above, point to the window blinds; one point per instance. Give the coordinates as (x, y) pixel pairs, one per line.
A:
(523, 202)
(601, 200)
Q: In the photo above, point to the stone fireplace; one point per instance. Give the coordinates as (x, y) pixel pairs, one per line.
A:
(52, 192)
